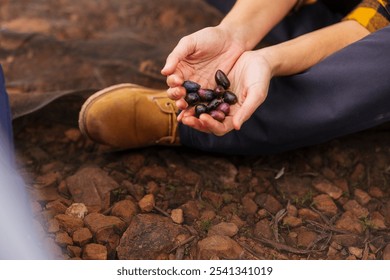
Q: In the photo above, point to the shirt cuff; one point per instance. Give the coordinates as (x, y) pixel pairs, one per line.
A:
(372, 14)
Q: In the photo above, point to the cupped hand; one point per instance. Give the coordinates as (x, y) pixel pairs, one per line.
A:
(250, 78)
(197, 57)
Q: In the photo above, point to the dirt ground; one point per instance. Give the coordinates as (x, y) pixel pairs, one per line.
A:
(329, 201)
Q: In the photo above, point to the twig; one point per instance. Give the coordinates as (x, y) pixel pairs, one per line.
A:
(191, 230)
(249, 249)
(162, 211)
(283, 247)
(329, 227)
(326, 243)
(318, 239)
(107, 211)
(279, 174)
(309, 174)
(180, 253)
(275, 223)
(365, 251)
(184, 242)
(323, 217)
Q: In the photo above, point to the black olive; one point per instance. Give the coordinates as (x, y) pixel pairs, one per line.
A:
(221, 79)
(213, 104)
(206, 95)
(224, 107)
(217, 115)
(200, 109)
(192, 98)
(229, 97)
(219, 91)
(191, 86)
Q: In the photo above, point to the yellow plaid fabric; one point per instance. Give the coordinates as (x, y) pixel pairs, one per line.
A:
(372, 14)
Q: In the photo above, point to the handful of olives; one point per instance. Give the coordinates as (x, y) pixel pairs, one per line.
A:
(215, 102)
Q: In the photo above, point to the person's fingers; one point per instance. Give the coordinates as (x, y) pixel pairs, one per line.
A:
(184, 48)
(176, 93)
(174, 80)
(248, 107)
(187, 117)
(216, 127)
(185, 111)
(181, 104)
(180, 116)
(195, 123)
(205, 123)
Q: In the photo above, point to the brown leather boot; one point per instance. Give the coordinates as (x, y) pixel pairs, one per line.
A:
(129, 116)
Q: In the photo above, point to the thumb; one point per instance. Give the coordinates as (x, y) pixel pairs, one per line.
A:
(184, 48)
(248, 107)
(238, 119)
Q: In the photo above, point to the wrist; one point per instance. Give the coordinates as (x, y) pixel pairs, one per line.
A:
(271, 59)
(231, 38)
(250, 21)
(236, 33)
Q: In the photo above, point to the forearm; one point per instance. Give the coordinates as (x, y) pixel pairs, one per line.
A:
(301, 53)
(250, 20)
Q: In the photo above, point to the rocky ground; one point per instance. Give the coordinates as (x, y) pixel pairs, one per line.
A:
(330, 201)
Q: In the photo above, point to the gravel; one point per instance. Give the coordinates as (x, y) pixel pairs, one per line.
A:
(330, 201)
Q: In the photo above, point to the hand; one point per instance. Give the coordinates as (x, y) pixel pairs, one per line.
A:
(197, 57)
(250, 78)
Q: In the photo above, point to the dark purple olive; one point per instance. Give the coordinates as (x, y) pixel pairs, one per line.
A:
(200, 109)
(224, 107)
(219, 91)
(229, 97)
(217, 115)
(192, 98)
(191, 86)
(213, 104)
(221, 79)
(206, 94)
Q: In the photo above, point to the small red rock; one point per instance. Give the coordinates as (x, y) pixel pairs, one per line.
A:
(324, 203)
(93, 251)
(82, 236)
(146, 204)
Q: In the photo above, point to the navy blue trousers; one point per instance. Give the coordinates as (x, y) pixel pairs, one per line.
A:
(347, 92)
(6, 138)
